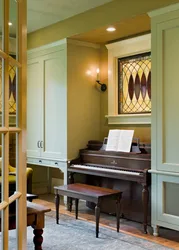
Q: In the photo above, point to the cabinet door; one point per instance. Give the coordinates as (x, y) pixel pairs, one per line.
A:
(55, 106)
(165, 119)
(34, 106)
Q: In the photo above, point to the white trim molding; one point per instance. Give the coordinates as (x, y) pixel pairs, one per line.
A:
(124, 48)
(129, 119)
(55, 45)
(47, 46)
(81, 43)
(164, 10)
(163, 172)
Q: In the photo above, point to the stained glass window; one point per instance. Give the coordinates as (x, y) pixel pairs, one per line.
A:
(134, 84)
(12, 89)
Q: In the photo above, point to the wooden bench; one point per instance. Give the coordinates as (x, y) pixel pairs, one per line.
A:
(89, 193)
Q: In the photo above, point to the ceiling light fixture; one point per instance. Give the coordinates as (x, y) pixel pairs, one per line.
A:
(111, 29)
(9, 23)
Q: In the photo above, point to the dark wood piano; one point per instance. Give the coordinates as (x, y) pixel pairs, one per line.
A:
(127, 172)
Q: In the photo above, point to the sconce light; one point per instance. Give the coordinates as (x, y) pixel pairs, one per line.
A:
(103, 85)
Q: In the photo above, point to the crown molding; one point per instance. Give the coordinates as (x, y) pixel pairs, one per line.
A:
(81, 43)
(47, 46)
(61, 42)
(164, 10)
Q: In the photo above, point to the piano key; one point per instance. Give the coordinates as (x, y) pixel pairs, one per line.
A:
(107, 170)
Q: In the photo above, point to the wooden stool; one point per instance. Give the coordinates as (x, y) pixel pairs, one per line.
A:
(35, 219)
(89, 193)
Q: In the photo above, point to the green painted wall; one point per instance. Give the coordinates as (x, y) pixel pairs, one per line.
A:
(93, 19)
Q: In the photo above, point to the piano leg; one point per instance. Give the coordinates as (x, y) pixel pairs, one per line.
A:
(118, 206)
(71, 178)
(69, 199)
(70, 204)
(145, 199)
(76, 208)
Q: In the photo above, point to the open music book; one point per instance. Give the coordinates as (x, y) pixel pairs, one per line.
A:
(119, 140)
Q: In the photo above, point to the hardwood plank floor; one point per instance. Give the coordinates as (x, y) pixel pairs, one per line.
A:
(168, 238)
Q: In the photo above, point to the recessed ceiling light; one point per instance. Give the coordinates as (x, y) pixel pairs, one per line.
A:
(9, 23)
(111, 29)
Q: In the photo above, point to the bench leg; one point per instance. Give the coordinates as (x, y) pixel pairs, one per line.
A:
(97, 214)
(118, 214)
(57, 204)
(76, 208)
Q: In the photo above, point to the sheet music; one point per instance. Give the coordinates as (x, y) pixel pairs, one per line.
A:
(119, 140)
(113, 138)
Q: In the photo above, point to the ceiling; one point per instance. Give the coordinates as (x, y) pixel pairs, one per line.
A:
(129, 17)
(42, 13)
(140, 24)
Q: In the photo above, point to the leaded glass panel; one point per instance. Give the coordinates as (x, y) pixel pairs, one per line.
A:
(12, 88)
(134, 84)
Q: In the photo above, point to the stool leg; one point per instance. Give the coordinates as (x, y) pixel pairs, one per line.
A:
(97, 213)
(38, 239)
(57, 204)
(76, 208)
(118, 214)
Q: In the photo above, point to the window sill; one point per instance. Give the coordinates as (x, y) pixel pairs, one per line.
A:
(129, 119)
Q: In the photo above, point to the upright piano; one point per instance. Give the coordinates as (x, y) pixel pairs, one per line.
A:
(127, 172)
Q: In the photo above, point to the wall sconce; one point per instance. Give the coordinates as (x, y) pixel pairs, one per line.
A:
(103, 85)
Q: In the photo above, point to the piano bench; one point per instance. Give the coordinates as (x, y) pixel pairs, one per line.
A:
(89, 193)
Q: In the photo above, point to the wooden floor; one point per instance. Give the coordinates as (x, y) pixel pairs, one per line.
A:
(168, 238)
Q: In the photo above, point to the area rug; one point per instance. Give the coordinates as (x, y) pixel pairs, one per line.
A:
(72, 234)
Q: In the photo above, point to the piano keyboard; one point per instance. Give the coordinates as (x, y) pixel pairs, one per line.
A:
(106, 170)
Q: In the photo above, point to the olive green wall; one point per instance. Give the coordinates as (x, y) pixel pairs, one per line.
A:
(140, 131)
(83, 100)
(98, 17)
(103, 15)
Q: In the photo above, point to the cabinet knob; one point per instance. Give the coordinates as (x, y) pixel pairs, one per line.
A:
(56, 163)
(40, 161)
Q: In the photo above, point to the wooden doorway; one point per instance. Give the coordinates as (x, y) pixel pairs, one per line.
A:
(13, 107)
